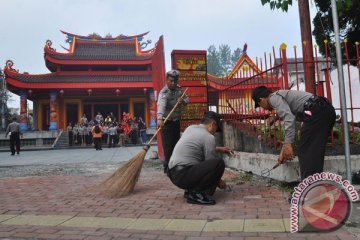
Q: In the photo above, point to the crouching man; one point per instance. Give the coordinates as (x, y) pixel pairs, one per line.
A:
(196, 164)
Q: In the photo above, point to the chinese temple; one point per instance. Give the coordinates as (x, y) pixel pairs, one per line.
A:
(94, 74)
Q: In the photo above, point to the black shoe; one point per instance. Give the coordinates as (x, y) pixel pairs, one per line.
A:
(18, 153)
(200, 198)
(12, 154)
(186, 193)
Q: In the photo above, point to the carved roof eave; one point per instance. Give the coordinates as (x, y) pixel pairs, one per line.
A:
(243, 83)
(50, 55)
(13, 73)
(53, 60)
(12, 78)
(241, 60)
(109, 39)
(110, 85)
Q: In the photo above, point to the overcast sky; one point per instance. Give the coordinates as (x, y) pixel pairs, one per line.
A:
(185, 24)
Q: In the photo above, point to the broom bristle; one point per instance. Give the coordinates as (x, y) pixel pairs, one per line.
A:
(123, 180)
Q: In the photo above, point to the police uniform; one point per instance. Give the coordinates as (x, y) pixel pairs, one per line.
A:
(13, 130)
(70, 133)
(318, 117)
(170, 132)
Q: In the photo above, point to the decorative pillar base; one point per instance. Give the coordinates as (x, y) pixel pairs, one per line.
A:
(24, 127)
(53, 126)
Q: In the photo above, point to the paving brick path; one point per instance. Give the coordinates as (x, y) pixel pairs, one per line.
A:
(68, 207)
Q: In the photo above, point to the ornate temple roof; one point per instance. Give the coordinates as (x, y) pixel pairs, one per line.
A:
(93, 37)
(95, 48)
(76, 80)
(99, 51)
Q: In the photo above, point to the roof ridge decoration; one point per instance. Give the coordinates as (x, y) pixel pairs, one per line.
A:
(9, 66)
(48, 44)
(108, 38)
(139, 46)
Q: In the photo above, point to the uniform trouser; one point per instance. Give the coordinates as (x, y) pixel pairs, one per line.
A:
(314, 135)
(134, 136)
(14, 142)
(97, 143)
(203, 177)
(112, 140)
(143, 136)
(170, 135)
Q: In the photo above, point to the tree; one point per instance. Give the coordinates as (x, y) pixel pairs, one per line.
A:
(279, 4)
(213, 62)
(349, 24)
(221, 62)
(235, 56)
(225, 58)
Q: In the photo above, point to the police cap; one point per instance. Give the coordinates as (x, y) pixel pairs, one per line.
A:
(173, 74)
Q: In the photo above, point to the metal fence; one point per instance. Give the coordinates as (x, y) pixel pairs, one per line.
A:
(236, 106)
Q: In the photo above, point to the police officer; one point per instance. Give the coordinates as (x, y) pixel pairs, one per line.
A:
(318, 117)
(168, 97)
(196, 164)
(13, 130)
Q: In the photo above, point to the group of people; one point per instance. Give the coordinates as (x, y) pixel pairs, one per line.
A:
(108, 130)
(194, 163)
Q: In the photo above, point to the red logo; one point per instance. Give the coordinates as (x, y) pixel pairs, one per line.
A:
(325, 206)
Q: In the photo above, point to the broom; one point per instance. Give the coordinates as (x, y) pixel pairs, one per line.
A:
(124, 179)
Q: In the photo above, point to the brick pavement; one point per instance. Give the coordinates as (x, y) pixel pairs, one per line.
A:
(69, 207)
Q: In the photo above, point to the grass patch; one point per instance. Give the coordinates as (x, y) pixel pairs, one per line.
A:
(287, 187)
(242, 178)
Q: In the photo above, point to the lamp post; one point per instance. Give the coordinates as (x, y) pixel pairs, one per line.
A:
(342, 90)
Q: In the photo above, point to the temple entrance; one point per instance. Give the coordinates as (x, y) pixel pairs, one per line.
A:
(72, 112)
(45, 117)
(124, 107)
(106, 109)
(139, 110)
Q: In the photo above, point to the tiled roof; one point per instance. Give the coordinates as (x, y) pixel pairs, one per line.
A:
(242, 81)
(81, 79)
(102, 51)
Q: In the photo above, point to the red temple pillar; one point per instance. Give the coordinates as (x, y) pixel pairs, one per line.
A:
(53, 113)
(23, 111)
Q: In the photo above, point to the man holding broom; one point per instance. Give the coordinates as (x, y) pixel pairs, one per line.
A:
(196, 165)
(168, 97)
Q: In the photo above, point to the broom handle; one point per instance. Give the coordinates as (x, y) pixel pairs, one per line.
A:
(172, 110)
